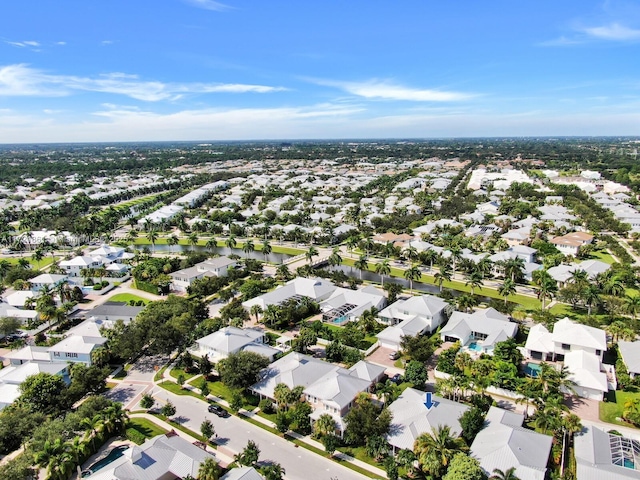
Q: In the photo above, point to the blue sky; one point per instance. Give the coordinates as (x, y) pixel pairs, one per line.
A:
(129, 70)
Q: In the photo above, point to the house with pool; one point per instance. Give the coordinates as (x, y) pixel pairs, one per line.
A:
(603, 455)
(578, 347)
(479, 331)
(345, 305)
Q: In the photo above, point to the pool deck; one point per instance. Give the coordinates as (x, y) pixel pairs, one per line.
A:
(104, 451)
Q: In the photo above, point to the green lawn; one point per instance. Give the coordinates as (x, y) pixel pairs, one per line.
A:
(179, 371)
(177, 389)
(43, 263)
(603, 257)
(145, 427)
(611, 410)
(126, 298)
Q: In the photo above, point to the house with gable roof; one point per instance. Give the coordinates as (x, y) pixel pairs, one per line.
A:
(412, 416)
(479, 331)
(228, 340)
(503, 443)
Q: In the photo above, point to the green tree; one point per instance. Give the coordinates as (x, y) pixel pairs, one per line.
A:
(241, 369)
(147, 401)
(44, 393)
(416, 373)
(507, 288)
(383, 269)
(209, 469)
(508, 474)
(335, 259)
(273, 471)
(312, 252)
(463, 467)
(207, 430)
(436, 450)
(366, 420)
(324, 425)
(152, 236)
(418, 348)
(412, 274)
(471, 422)
(168, 409)
(361, 264)
(444, 274)
(248, 247)
(9, 325)
(249, 455)
(330, 442)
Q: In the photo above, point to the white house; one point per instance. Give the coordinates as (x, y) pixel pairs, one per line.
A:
(413, 416)
(213, 267)
(47, 280)
(228, 340)
(480, 331)
(81, 341)
(317, 289)
(76, 265)
(630, 353)
(602, 455)
(567, 336)
(503, 443)
(12, 376)
(345, 305)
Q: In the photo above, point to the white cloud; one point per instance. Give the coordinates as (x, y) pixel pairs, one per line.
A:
(613, 31)
(385, 90)
(208, 5)
(106, 42)
(24, 43)
(22, 80)
(61, 43)
(561, 42)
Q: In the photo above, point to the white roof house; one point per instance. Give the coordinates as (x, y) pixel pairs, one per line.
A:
(228, 340)
(604, 456)
(562, 273)
(484, 328)
(328, 388)
(242, 473)
(503, 443)
(411, 417)
(567, 336)
(316, 289)
(345, 305)
(11, 377)
(581, 348)
(158, 458)
(630, 352)
(212, 267)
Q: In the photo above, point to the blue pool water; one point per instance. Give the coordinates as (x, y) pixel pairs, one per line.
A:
(532, 369)
(628, 463)
(114, 454)
(475, 347)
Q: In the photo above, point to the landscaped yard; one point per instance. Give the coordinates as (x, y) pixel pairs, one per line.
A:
(610, 411)
(145, 427)
(126, 298)
(43, 263)
(175, 372)
(603, 257)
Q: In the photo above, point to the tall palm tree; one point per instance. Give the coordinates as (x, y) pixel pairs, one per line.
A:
(435, 450)
(231, 242)
(335, 259)
(508, 474)
(412, 274)
(256, 310)
(77, 448)
(475, 280)
(442, 275)
(132, 235)
(193, 239)
(266, 249)
(248, 247)
(325, 425)
(383, 269)
(513, 268)
(591, 296)
(312, 252)
(172, 241)
(93, 425)
(152, 236)
(55, 458)
(507, 288)
(571, 425)
(632, 305)
(211, 245)
(429, 256)
(545, 285)
(361, 264)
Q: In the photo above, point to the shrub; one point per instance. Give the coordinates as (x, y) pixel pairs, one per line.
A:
(135, 436)
(266, 406)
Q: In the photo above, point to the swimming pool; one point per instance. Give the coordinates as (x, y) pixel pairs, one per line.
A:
(474, 347)
(114, 454)
(532, 369)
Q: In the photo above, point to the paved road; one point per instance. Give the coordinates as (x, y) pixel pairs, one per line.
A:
(234, 433)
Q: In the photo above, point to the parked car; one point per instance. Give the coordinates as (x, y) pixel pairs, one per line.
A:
(397, 378)
(394, 355)
(218, 410)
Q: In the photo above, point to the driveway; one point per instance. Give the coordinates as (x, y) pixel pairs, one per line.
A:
(381, 357)
(126, 393)
(145, 368)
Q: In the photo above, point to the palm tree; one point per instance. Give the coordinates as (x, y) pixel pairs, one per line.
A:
(114, 418)
(411, 253)
(266, 249)
(248, 247)
(93, 425)
(335, 259)
(255, 310)
(172, 240)
(352, 242)
(571, 425)
(231, 242)
(546, 419)
(382, 268)
(193, 239)
(429, 256)
(77, 448)
(466, 302)
(211, 245)
(312, 252)
(509, 474)
(507, 288)
(632, 305)
(513, 268)
(325, 425)
(132, 235)
(37, 255)
(442, 275)
(361, 264)
(475, 280)
(412, 274)
(283, 273)
(55, 458)
(152, 236)
(545, 285)
(591, 296)
(209, 469)
(435, 450)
